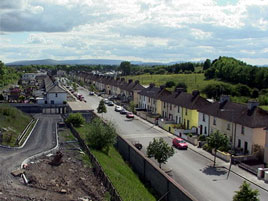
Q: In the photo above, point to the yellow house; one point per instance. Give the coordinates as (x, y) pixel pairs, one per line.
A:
(182, 107)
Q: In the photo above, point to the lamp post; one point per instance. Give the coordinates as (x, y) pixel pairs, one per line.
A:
(233, 139)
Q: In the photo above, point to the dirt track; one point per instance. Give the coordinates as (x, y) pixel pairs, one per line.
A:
(72, 180)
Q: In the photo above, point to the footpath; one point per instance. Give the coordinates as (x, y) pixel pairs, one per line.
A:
(220, 163)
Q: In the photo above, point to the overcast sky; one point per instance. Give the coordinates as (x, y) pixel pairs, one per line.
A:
(140, 30)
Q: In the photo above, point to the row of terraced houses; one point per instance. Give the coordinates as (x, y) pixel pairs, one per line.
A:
(246, 125)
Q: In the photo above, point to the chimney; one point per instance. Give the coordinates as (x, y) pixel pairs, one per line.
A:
(117, 78)
(137, 82)
(179, 90)
(130, 81)
(252, 104)
(224, 98)
(151, 85)
(162, 87)
(195, 93)
(122, 79)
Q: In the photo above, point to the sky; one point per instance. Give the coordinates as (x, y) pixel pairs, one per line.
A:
(134, 30)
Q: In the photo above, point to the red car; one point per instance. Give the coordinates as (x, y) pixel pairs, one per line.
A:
(179, 143)
(130, 115)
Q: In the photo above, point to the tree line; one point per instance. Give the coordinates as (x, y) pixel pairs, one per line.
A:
(235, 71)
(7, 75)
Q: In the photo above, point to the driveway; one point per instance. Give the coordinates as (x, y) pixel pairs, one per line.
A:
(42, 138)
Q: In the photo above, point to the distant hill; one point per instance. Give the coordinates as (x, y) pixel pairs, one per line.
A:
(78, 62)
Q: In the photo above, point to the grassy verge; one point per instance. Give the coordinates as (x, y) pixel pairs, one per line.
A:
(126, 182)
(265, 107)
(12, 123)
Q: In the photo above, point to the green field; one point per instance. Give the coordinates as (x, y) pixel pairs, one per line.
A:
(193, 81)
(12, 123)
(126, 182)
(265, 107)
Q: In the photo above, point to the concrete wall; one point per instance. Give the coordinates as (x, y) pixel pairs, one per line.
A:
(149, 172)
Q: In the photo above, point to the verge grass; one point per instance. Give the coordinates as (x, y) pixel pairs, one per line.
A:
(12, 123)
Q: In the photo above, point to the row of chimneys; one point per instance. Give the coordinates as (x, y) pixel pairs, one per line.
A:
(251, 105)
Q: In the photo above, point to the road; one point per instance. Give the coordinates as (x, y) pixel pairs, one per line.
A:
(189, 169)
(42, 138)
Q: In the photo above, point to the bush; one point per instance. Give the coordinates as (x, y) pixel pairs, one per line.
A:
(100, 135)
(170, 84)
(202, 138)
(76, 119)
(207, 148)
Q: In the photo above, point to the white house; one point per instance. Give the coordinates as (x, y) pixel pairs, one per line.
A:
(56, 95)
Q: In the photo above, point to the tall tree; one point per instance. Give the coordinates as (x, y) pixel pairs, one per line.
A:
(160, 150)
(101, 136)
(207, 64)
(101, 108)
(215, 141)
(125, 67)
(246, 193)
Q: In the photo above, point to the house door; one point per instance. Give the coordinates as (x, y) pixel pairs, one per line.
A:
(201, 129)
(246, 147)
(176, 119)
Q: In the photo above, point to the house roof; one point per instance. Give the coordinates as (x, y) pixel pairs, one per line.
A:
(238, 113)
(56, 89)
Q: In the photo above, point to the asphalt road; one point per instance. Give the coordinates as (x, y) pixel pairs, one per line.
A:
(42, 138)
(189, 169)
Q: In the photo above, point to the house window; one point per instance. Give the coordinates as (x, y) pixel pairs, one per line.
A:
(228, 127)
(204, 119)
(239, 143)
(164, 105)
(214, 121)
(56, 95)
(185, 111)
(243, 130)
(205, 130)
(170, 107)
(179, 120)
(178, 109)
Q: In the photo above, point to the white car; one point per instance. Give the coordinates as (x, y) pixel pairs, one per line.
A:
(118, 108)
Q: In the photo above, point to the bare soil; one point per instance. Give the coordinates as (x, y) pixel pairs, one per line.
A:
(72, 180)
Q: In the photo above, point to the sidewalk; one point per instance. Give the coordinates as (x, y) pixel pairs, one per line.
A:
(219, 162)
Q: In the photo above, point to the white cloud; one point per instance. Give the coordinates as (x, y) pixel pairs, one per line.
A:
(162, 30)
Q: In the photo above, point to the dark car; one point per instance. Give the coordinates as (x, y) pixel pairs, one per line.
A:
(130, 115)
(179, 143)
(123, 111)
(110, 103)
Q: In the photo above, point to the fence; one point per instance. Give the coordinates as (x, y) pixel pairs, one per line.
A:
(98, 171)
(165, 187)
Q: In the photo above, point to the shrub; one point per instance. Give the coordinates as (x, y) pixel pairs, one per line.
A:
(76, 119)
(202, 138)
(100, 135)
(207, 148)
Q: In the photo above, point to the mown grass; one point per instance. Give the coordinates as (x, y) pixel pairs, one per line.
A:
(265, 107)
(123, 178)
(193, 81)
(126, 182)
(13, 122)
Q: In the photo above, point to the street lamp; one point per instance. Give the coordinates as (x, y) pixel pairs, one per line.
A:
(233, 139)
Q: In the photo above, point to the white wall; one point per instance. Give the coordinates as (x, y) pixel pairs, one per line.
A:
(203, 121)
(57, 99)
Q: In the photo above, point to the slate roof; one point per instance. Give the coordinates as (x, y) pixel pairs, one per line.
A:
(238, 113)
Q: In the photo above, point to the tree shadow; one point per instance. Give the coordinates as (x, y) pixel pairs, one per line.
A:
(216, 171)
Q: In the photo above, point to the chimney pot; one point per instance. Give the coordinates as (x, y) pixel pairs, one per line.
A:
(152, 85)
(129, 81)
(252, 104)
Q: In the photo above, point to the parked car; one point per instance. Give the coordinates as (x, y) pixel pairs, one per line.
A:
(91, 93)
(179, 143)
(110, 103)
(130, 115)
(118, 108)
(123, 111)
(105, 100)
